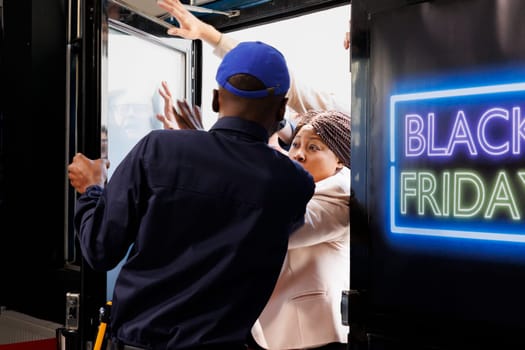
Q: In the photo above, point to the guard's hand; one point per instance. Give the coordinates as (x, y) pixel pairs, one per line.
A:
(84, 172)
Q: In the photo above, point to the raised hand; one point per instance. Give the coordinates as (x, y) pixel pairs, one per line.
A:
(190, 27)
(189, 118)
(346, 41)
(168, 119)
(185, 118)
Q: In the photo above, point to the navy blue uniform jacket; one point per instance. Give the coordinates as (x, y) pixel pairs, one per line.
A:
(207, 216)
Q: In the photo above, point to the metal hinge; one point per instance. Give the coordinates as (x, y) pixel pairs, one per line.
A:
(72, 311)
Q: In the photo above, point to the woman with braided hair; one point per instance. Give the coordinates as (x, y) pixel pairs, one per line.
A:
(304, 309)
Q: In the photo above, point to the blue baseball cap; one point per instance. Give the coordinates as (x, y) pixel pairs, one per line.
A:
(257, 59)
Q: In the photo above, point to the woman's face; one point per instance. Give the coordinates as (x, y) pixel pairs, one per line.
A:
(313, 154)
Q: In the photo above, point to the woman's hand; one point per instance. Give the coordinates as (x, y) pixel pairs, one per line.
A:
(183, 118)
(190, 27)
(188, 117)
(346, 42)
(168, 119)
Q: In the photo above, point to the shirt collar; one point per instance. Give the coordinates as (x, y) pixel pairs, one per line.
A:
(243, 126)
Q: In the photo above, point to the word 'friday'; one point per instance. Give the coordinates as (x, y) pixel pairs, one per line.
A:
(461, 194)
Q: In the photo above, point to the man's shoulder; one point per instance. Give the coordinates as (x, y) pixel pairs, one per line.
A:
(163, 140)
(172, 132)
(175, 135)
(298, 169)
(296, 176)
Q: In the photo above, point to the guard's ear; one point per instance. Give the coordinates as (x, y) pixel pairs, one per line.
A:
(215, 101)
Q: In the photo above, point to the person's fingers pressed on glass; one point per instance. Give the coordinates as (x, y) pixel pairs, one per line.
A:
(191, 117)
(168, 119)
(346, 42)
(180, 116)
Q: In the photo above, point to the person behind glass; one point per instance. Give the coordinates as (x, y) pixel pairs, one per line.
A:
(207, 215)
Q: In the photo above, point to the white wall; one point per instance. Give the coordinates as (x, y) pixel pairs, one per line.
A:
(312, 45)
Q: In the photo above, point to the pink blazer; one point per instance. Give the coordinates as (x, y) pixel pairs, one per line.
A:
(305, 307)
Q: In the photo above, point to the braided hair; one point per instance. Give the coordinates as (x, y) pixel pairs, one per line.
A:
(333, 127)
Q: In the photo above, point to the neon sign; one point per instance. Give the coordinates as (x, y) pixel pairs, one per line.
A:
(457, 166)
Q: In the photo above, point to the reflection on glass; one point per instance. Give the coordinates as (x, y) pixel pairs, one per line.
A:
(104, 142)
(137, 63)
(136, 66)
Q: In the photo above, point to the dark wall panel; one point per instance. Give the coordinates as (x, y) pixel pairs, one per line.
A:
(32, 158)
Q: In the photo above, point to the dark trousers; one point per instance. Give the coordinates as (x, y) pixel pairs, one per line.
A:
(333, 346)
(116, 346)
(113, 346)
(252, 345)
(122, 347)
